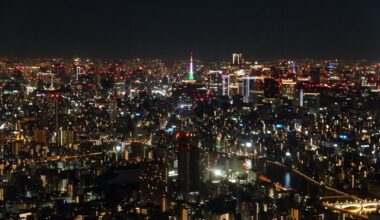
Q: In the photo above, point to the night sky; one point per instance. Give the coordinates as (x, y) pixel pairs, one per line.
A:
(263, 29)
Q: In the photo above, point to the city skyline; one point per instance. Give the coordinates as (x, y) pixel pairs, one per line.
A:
(190, 110)
(142, 138)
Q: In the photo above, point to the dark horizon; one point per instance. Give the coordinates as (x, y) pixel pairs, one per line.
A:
(212, 31)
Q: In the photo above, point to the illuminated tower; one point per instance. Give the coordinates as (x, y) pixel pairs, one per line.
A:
(191, 72)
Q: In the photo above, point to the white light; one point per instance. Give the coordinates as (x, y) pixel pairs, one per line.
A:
(218, 172)
(118, 148)
(248, 144)
(248, 164)
(288, 154)
(172, 173)
(232, 180)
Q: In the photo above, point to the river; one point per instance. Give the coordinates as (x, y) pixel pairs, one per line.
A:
(286, 178)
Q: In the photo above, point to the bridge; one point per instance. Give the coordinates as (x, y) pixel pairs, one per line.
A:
(356, 207)
(277, 185)
(313, 181)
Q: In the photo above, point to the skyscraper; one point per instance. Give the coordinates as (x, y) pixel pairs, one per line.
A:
(315, 75)
(271, 88)
(77, 72)
(41, 136)
(65, 137)
(226, 85)
(246, 87)
(56, 97)
(237, 59)
(188, 165)
(153, 182)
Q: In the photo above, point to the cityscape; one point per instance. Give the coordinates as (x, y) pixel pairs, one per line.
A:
(142, 139)
(190, 110)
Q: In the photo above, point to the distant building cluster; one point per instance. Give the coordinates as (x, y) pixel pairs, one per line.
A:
(227, 140)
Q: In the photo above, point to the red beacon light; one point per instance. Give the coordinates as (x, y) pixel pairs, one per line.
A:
(55, 96)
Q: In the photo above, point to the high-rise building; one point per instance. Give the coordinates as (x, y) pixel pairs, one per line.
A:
(184, 214)
(77, 72)
(65, 138)
(153, 182)
(226, 85)
(271, 88)
(288, 88)
(137, 151)
(188, 164)
(301, 97)
(215, 80)
(237, 59)
(16, 148)
(311, 101)
(1, 194)
(120, 88)
(246, 88)
(315, 75)
(55, 102)
(40, 136)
